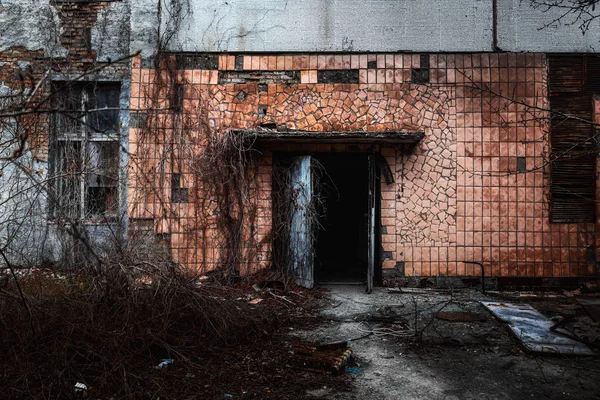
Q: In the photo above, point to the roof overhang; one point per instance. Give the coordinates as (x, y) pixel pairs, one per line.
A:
(262, 135)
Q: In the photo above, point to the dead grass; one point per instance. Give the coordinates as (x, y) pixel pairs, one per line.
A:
(110, 332)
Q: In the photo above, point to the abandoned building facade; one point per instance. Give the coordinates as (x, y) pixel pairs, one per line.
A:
(345, 141)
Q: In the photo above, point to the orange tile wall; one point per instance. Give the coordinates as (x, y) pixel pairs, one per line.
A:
(457, 196)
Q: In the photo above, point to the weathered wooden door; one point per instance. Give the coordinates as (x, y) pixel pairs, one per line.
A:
(372, 193)
(301, 246)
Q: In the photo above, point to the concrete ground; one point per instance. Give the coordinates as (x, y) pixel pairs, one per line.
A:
(446, 360)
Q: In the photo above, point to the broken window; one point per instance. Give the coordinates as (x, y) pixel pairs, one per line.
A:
(84, 155)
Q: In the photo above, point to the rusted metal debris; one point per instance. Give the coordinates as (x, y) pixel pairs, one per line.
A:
(460, 316)
(330, 358)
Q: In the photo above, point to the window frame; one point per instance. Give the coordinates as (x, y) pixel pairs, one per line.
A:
(86, 136)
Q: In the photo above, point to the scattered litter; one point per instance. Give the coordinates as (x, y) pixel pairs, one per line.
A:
(378, 373)
(164, 363)
(276, 285)
(355, 370)
(329, 357)
(80, 387)
(408, 290)
(255, 301)
(229, 396)
(533, 329)
(460, 316)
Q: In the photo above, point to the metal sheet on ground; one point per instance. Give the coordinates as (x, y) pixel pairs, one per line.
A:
(533, 329)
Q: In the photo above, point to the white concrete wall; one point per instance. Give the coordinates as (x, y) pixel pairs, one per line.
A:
(337, 25)
(523, 28)
(366, 25)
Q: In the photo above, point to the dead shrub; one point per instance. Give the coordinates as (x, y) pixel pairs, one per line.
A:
(111, 332)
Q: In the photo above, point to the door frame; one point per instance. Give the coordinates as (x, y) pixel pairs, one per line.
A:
(376, 240)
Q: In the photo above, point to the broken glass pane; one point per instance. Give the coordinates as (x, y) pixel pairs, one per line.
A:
(102, 174)
(103, 104)
(69, 115)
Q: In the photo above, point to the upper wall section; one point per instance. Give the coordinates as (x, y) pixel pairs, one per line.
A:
(60, 28)
(363, 25)
(336, 25)
(524, 28)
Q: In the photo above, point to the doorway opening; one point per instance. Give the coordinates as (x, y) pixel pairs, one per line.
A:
(341, 241)
(325, 208)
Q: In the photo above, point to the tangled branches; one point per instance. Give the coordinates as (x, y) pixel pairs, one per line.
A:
(111, 340)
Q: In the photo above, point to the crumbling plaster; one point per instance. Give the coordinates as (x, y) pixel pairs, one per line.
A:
(361, 25)
(110, 34)
(32, 24)
(35, 25)
(337, 25)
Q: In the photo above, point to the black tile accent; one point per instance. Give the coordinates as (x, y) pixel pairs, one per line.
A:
(424, 61)
(177, 99)
(178, 194)
(372, 64)
(590, 254)
(239, 63)
(420, 75)
(386, 255)
(399, 267)
(138, 120)
(337, 76)
(197, 61)
(521, 164)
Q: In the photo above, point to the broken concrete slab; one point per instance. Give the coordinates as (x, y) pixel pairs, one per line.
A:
(532, 329)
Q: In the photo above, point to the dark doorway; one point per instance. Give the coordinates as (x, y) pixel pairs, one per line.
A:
(341, 246)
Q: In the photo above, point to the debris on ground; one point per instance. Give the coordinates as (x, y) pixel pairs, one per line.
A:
(265, 285)
(536, 332)
(164, 363)
(444, 359)
(591, 305)
(329, 358)
(80, 387)
(460, 316)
